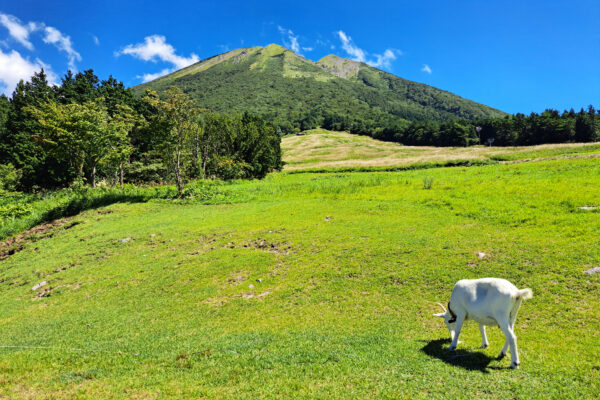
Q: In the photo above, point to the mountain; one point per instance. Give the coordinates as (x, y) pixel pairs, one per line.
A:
(277, 83)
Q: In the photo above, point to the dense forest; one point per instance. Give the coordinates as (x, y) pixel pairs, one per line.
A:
(518, 130)
(85, 131)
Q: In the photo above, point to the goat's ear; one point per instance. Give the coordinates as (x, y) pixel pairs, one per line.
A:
(442, 314)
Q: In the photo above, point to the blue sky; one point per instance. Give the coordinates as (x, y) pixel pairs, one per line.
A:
(519, 56)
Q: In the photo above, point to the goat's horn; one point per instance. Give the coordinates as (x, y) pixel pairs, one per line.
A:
(441, 305)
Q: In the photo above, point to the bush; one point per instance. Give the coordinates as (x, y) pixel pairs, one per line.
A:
(228, 169)
(9, 177)
(427, 182)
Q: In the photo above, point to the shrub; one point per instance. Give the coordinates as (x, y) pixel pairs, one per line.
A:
(9, 177)
(427, 182)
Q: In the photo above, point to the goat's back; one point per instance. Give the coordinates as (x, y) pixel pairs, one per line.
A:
(481, 296)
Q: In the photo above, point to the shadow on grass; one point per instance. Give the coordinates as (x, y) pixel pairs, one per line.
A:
(469, 360)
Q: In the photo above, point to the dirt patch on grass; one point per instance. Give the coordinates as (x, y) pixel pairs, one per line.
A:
(17, 243)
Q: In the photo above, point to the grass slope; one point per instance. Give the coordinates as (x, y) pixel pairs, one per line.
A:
(276, 82)
(323, 149)
(312, 286)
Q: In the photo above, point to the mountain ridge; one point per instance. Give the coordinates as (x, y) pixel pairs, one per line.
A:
(284, 86)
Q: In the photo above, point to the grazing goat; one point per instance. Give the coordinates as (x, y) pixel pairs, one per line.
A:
(489, 301)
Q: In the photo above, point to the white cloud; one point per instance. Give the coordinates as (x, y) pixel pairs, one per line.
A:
(17, 30)
(358, 54)
(291, 41)
(63, 43)
(21, 31)
(151, 77)
(96, 40)
(307, 49)
(13, 68)
(384, 60)
(155, 48)
(426, 69)
(350, 48)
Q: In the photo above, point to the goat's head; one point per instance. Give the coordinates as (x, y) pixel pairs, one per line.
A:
(449, 319)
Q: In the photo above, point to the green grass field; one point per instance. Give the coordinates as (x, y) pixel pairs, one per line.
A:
(312, 286)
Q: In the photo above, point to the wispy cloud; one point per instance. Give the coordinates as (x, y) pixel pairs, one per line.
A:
(290, 40)
(96, 40)
(426, 69)
(326, 43)
(20, 32)
(151, 77)
(62, 43)
(17, 30)
(358, 54)
(14, 67)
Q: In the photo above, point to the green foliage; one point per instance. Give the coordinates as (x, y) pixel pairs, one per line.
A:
(19, 211)
(9, 177)
(427, 182)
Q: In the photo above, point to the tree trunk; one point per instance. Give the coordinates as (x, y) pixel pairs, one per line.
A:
(121, 174)
(80, 172)
(94, 175)
(204, 157)
(178, 175)
(196, 154)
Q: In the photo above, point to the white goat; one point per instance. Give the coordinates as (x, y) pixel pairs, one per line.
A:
(489, 301)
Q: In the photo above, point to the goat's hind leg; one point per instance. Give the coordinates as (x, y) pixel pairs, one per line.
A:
(511, 341)
(484, 340)
(512, 319)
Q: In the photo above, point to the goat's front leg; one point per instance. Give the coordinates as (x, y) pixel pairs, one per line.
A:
(484, 340)
(459, 322)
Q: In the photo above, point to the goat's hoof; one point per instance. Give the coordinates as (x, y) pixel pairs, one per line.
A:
(515, 365)
(485, 346)
(501, 356)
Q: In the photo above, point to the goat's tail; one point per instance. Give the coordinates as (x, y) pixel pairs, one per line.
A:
(524, 294)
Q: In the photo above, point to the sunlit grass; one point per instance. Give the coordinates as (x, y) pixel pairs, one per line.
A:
(312, 286)
(321, 149)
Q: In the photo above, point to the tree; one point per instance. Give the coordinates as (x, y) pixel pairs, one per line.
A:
(20, 142)
(119, 127)
(174, 120)
(77, 132)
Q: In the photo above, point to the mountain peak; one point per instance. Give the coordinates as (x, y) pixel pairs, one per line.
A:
(274, 49)
(342, 67)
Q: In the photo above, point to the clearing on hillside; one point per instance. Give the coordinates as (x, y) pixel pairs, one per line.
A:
(323, 149)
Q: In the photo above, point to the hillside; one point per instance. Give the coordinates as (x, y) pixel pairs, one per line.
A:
(278, 83)
(310, 286)
(323, 149)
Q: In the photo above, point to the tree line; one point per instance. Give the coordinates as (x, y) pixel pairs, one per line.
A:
(85, 130)
(513, 130)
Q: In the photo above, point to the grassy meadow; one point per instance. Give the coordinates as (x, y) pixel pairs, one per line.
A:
(319, 149)
(315, 285)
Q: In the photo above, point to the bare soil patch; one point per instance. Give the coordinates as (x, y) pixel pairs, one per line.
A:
(17, 243)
